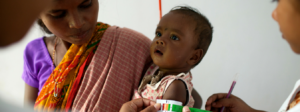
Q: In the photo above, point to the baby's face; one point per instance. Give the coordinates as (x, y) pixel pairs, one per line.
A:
(174, 42)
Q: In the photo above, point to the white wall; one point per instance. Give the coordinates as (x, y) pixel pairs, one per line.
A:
(246, 41)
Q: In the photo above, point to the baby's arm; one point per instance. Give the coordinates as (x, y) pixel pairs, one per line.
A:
(176, 91)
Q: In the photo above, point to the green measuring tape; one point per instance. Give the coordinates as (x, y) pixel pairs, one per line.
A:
(178, 108)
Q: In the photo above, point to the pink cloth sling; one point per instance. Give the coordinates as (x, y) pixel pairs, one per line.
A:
(114, 72)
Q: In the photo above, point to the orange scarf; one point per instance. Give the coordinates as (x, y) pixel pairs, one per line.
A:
(66, 73)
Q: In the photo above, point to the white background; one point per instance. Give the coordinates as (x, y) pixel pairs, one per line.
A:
(246, 40)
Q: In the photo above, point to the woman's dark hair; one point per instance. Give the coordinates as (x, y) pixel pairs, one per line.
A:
(43, 26)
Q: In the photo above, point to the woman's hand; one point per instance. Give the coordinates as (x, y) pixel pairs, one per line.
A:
(232, 104)
(140, 105)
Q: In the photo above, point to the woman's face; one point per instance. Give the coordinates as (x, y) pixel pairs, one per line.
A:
(287, 14)
(71, 20)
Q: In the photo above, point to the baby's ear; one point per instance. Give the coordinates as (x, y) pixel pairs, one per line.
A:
(196, 57)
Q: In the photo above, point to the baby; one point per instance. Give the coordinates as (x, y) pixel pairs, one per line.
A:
(182, 39)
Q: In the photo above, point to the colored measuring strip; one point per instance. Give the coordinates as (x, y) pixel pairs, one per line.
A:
(166, 107)
(177, 108)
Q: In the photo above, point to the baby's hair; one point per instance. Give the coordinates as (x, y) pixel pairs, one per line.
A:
(203, 30)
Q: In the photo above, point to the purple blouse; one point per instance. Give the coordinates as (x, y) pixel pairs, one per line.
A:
(37, 64)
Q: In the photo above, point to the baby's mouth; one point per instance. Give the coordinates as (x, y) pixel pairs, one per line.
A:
(158, 52)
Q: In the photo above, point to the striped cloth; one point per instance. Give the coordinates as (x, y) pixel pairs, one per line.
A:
(114, 72)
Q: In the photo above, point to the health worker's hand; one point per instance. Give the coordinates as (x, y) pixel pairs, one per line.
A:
(144, 105)
(140, 105)
(232, 104)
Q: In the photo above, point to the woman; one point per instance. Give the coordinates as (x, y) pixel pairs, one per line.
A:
(97, 66)
(287, 14)
(93, 66)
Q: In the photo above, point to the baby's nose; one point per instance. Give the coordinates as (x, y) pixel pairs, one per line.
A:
(161, 42)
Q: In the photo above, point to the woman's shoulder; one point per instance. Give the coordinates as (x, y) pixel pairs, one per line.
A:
(35, 44)
(37, 63)
(36, 49)
(36, 55)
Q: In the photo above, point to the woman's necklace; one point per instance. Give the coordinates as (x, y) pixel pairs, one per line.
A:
(55, 86)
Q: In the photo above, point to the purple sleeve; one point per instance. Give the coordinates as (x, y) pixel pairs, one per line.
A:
(37, 64)
(28, 75)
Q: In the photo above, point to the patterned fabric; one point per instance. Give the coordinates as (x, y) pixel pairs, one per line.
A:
(285, 106)
(157, 91)
(77, 81)
(114, 72)
(66, 72)
(295, 101)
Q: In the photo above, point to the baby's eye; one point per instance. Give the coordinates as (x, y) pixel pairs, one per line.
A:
(158, 34)
(173, 37)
